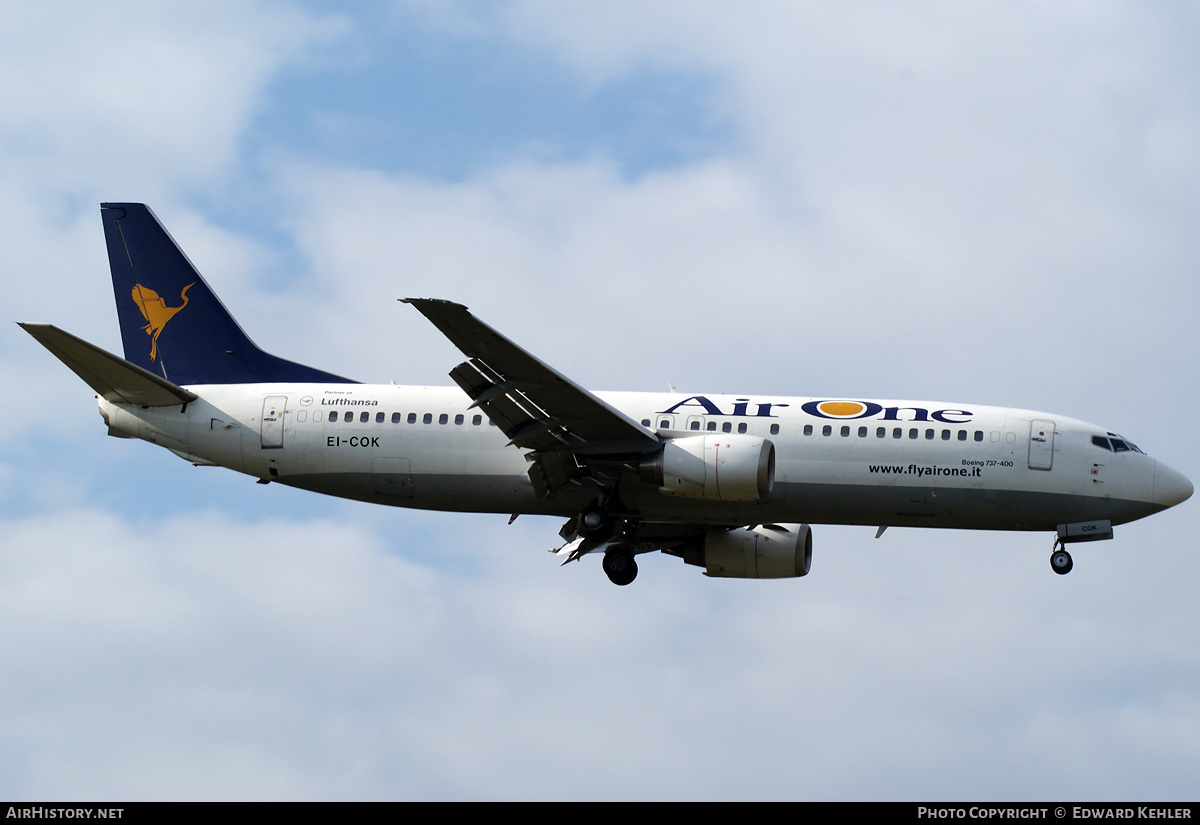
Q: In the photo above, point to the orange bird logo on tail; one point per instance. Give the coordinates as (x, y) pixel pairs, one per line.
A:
(156, 312)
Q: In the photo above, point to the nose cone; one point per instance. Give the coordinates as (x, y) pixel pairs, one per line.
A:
(1170, 487)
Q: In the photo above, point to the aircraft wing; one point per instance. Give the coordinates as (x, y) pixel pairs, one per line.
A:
(537, 407)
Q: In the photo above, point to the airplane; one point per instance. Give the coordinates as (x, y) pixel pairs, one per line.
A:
(729, 483)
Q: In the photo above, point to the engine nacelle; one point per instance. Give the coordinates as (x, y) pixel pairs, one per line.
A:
(716, 467)
(771, 551)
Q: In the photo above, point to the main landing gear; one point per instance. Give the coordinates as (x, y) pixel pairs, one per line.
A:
(620, 566)
(596, 526)
(594, 523)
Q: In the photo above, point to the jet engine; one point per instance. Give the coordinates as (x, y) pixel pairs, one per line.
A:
(770, 551)
(715, 467)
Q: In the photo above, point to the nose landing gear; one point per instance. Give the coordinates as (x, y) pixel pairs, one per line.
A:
(1060, 561)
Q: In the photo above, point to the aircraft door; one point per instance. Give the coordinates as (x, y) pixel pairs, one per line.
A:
(1041, 445)
(274, 406)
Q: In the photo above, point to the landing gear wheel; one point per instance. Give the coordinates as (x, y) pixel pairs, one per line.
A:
(595, 524)
(1060, 562)
(620, 567)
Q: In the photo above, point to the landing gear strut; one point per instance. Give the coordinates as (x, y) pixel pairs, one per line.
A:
(620, 566)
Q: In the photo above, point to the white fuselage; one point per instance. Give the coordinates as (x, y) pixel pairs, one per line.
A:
(877, 463)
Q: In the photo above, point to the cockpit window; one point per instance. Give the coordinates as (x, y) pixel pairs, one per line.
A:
(1101, 442)
(1121, 444)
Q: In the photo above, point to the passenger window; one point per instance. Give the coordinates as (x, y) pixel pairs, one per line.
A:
(727, 427)
(379, 418)
(897, 433)
(913, 433)
(443, 418)
(742, 427)
(827, 430)
(695, 425)
(427, 418)
(808, 429)
(945, 435)
(845, 431)
(477, 420)
(881, 432)
(645, 422)
(929, 435)
(665, 424)
(862, 432)
(712, 426)
(348, 417)
(962, 435)
(774, 429)
(364, 417)
(458, 419)
(979, 435)
(395, 418)
(412, 418)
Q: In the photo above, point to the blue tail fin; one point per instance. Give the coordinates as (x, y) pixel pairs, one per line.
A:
(171, 322)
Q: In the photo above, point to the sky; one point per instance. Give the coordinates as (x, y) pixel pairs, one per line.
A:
(988, 203)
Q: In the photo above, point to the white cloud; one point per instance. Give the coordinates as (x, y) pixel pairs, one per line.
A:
(199, 657)
(138, 99)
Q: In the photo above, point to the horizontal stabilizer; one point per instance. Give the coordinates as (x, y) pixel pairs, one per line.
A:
(113, 377)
